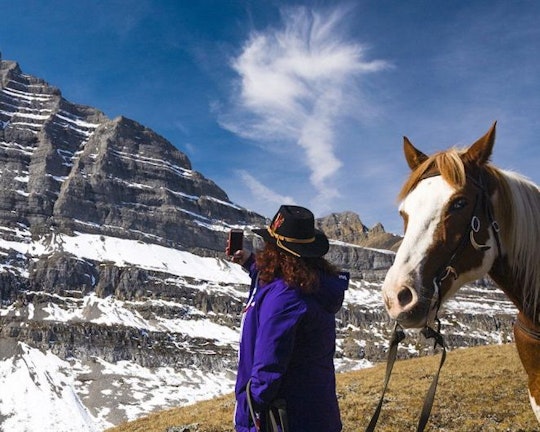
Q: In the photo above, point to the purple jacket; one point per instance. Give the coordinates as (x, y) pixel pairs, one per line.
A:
(287, 350)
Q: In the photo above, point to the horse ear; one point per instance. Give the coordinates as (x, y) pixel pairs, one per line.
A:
(413, 156)
(480, 152)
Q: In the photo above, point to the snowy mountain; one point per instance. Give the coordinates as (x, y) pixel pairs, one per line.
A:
(116, 298)
(77, 387)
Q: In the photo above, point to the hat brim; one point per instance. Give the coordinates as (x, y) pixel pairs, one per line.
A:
(317, 248)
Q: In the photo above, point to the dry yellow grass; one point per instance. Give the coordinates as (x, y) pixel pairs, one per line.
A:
(481, 389)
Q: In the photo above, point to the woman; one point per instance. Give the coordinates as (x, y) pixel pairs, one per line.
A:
(288, 327)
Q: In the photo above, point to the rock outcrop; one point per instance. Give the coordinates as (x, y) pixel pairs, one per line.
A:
(348, 228)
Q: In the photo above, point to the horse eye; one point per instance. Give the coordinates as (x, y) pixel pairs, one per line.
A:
(458, 204)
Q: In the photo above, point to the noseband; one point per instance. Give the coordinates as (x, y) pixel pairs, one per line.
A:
(447, 270)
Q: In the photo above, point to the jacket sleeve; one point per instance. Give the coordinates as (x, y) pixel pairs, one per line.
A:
(280, 312)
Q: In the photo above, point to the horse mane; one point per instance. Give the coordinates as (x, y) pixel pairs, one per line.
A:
(520, 202)
(516, 208)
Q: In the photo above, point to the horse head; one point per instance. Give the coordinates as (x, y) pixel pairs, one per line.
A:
(451, 237)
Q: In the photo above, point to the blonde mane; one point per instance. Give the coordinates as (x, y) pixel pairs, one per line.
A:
(448, 164)
(516, 207)
(520, 201)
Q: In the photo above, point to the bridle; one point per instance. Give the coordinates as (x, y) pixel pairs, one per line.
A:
(482, 200)
(447, 270)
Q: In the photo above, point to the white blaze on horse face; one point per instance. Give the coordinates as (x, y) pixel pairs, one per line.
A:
(423, 206)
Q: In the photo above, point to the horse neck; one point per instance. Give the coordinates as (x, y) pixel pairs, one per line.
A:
(517, 271)
(512, 285)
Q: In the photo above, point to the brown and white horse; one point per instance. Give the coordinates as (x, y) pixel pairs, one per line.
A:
(465, 218)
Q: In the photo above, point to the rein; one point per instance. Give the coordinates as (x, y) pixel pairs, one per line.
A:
(398, 335)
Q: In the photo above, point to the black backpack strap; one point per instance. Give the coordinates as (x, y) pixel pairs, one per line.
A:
(278, 407)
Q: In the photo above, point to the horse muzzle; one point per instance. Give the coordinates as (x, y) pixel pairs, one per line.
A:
(405, 306)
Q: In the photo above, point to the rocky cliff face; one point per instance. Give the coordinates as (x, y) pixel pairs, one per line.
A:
(111, 262)
(348, 228)
(69, 167)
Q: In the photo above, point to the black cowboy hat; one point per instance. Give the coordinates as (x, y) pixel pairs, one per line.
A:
(293, 230)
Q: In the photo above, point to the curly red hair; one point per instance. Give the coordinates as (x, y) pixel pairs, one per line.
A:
(302, 273)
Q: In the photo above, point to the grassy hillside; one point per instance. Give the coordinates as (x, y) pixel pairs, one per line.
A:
(480, 389)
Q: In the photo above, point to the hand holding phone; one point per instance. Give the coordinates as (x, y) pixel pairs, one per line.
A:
(235, 242)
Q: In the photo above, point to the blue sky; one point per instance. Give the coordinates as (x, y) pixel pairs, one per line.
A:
(298, 102)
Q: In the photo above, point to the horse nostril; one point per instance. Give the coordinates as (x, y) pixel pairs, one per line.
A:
(405, 296)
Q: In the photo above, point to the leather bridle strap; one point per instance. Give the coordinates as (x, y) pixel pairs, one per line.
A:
(429, 333)
(397, 336)
(488, 207)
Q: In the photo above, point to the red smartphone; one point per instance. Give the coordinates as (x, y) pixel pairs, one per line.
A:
(236, 241)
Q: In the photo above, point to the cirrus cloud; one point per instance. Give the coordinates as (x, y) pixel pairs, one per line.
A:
(296, 83)
(264, 193)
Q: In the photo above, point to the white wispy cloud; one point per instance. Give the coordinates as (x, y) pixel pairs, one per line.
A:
(270, 197)
(296, 82)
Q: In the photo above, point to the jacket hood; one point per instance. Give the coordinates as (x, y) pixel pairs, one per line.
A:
(332, 289)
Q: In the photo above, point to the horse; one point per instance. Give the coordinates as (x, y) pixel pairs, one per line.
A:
(465, 218)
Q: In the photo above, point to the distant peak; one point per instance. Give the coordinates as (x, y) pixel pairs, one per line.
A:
(378, 228)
